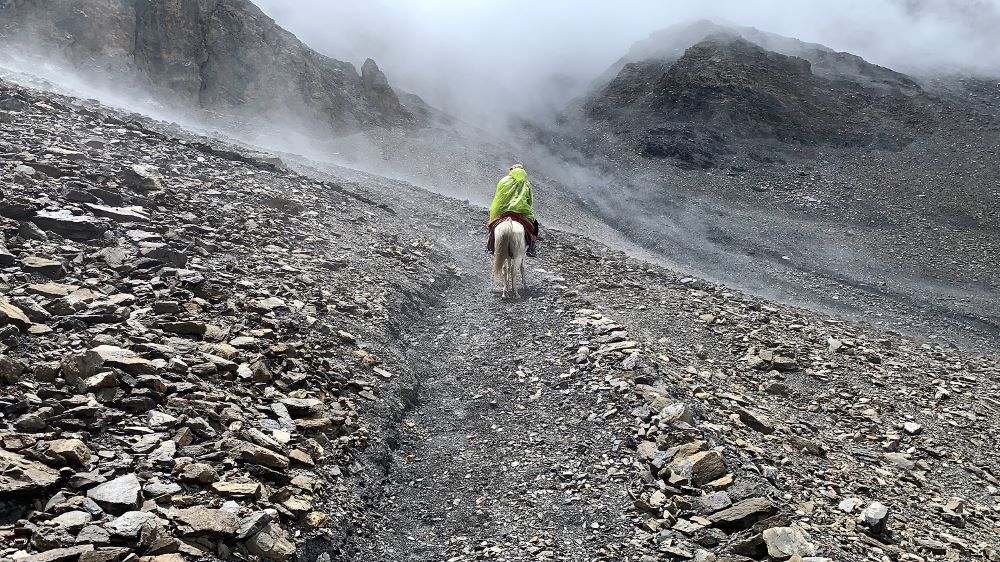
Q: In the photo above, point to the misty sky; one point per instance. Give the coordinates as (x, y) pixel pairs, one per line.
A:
(477, 57)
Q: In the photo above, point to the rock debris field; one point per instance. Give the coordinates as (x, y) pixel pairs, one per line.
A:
(207, 355)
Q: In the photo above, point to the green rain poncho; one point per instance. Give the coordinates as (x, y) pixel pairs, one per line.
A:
(513, 196)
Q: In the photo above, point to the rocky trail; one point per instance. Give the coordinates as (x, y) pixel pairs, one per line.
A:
(206, 355)
(497, 458)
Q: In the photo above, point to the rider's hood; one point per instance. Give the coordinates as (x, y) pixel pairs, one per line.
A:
(518, 174)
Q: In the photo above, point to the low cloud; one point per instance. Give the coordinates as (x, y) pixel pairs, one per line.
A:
(484, 59)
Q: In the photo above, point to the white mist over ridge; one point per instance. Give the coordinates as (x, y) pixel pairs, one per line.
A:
(486, 59)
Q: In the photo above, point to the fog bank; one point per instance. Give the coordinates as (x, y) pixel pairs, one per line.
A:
(483, 58)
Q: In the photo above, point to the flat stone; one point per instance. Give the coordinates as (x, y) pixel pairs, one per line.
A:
(68, 154)
(159, 421)
(125, 359)
(93, 534)
(269, 304)
(50, 536)
(699, 468)
(65, 223)
(59, 554)
(785, 542)
(742, 514)
(271, 543)
(52, 170)
(10, 370)
(165, 254)
(711, 503)
(130, 523)
(678, 412)
(902, 460)
(256, 454)
(239, 489)
(12, 315)
(51, 290)
(158, 489)
(81, 365)
(301, 457)
(303, 407)
(297, 505)
(198, 472)
(107, 554)
(73, 451)
(252, 524)
(7, 259)
(782, 363)
(185, 327)
(22, 475)
(141, 177)
(755, 420)
(119, 495)
(172, 557)
(72, 520)
(322, 423)
(143, 235)
(118, 214)
(107, 379)
(30, 231)
(848, 505)
(687, 526)
(53, 269)
(206, 521)
(30, 423)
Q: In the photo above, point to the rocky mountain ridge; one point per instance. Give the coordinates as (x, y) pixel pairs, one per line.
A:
(215, 55)
(668, 45)
(726, 98)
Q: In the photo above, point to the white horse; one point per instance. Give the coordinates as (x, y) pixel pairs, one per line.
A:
(509, 249)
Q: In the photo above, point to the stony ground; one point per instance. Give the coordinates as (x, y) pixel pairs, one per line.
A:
(905, 238)
(186, 341)
(207, 355)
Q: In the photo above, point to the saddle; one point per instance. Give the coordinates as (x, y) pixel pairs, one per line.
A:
(529, 229)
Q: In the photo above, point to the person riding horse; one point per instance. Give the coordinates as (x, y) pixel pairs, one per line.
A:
(513, 200)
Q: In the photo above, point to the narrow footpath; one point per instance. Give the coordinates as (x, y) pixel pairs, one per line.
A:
(501, 458)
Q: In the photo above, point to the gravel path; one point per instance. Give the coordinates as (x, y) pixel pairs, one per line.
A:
(497, 459)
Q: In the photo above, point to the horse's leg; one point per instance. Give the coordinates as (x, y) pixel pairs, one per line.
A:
(503, 278)
(513, 277)
(524, 278)
(510, 278)
(506, 276)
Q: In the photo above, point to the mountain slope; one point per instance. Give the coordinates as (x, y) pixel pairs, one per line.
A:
(217, 55)
(212, 356)
(728, 97)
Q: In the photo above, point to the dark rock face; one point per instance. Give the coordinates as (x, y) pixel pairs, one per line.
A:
(727, 96)
(378, 91)
(219, 55)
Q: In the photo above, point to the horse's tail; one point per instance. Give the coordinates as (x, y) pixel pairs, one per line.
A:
(501, 245)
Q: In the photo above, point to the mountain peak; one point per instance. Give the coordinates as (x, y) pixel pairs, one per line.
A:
(726, 95)
(216, 55)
